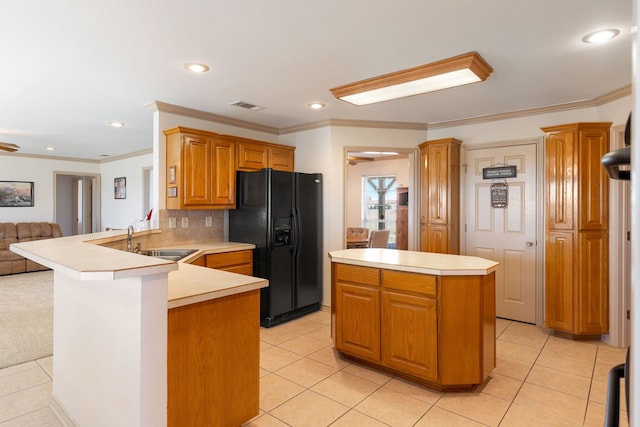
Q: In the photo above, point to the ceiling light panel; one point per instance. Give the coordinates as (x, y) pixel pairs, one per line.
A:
(456, 71)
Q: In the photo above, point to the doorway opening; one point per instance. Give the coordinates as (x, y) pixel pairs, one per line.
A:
(76, 202)
(373, 172)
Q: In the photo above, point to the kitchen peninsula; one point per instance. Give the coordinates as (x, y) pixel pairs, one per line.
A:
(137, 338)
(425, 316)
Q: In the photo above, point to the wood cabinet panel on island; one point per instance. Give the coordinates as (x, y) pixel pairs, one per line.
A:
(437, 329)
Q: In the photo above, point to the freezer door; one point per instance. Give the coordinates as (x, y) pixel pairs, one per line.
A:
(308, 238)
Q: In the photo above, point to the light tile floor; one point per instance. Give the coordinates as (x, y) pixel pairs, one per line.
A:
(540, 380)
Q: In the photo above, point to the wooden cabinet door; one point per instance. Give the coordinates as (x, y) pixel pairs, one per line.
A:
(410, 334)
(593, 210)
(252, 156)
(224, 173)
(592, 294)
(196, 169)
(240, 262)
(438, 176)
(358, 326)
(560, 170)
(281, 159)
(438, 239)
(559, 277)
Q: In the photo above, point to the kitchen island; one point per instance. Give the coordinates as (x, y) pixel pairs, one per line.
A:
(427, 317)
(143, 341)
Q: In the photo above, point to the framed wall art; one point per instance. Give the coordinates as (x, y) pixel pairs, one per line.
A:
(120, 188)
(16, 194)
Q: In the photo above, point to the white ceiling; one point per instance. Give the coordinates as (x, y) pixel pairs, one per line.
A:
(69, 67)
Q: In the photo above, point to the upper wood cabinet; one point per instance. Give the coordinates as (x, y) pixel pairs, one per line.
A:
(256, 155)
(200, 170)
(440, 196)
(577, 228)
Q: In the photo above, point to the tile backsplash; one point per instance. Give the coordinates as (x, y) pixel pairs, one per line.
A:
(191, 226)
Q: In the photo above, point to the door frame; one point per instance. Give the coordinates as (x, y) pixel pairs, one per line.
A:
(539, 143)
(414, 183)
(95, 203)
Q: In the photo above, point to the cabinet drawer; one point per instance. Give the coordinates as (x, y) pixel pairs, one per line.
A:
(356, 274)
(410, 282)
(228, 259)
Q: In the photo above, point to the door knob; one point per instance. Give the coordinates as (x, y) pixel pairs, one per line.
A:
(529, 244)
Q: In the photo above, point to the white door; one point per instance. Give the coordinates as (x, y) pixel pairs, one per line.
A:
(506, 235)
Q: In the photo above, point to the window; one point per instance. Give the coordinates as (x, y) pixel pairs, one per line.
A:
(379, 204)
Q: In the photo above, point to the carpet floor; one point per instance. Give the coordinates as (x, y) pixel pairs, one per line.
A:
(26, 317)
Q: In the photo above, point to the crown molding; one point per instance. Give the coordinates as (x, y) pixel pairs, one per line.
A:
(79, 159)
(356, 123)
(211, 117)
(603, 99)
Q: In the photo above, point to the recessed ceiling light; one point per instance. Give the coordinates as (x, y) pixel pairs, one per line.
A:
(600, 36)
(317, 105)
(51, 149)
(196, 67)
(116, 124)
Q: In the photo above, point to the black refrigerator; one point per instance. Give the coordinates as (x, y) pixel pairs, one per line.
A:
(281, 213)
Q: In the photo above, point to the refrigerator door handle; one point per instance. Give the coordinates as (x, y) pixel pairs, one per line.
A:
(296, 233)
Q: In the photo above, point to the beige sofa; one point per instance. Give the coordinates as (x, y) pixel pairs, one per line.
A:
(11, 263)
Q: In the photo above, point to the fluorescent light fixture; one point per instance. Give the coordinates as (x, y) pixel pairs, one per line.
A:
(600, 36)
(457, 71)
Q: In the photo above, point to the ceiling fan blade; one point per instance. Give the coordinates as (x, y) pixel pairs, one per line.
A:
(5, 146)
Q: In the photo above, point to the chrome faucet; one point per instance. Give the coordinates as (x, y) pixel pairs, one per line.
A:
(129, 237)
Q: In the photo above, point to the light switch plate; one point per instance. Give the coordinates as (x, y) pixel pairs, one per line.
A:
(185, 222)
(208, 221)
(172, 222)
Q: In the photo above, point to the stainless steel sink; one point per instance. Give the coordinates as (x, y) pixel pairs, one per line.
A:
(170, 254)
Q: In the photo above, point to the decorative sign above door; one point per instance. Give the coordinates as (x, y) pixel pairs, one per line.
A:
(493, 172)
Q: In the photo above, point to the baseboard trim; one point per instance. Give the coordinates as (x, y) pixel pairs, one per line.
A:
(60, 413)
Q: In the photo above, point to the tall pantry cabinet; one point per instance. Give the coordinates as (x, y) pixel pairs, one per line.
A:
(440, 196)
(577, 229)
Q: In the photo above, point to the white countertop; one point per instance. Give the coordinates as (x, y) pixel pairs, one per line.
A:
(416, 262)
(82, 257)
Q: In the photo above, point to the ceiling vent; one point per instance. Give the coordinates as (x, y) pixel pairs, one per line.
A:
(246, 105)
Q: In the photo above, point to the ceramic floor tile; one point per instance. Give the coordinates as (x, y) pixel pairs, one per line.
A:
(598, 392)
(275, 390)
(306, 372)
(320, 316)
(512, 368)
(39, 418)
(265, 420)
(345, 388)
(25, 401)
(601, 372)
(329, 356)
(303, 345)
(47, 364)
(416, 391)
(276, 336)
(596, 413)
(514, 350)
(393, 408)
(579, 349)
(354, 418)
(265, 345)
(563, 362)
(479, 407)
(501, 325)
(322, 334)
(611, 355)
(500, 386)
(524, 416)
(527, 334)
(309, 409)
(22, 380)
(552, 402)
(11, 370)
(438, 417)
(368, 374)
(276, 358)
(561, 381)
